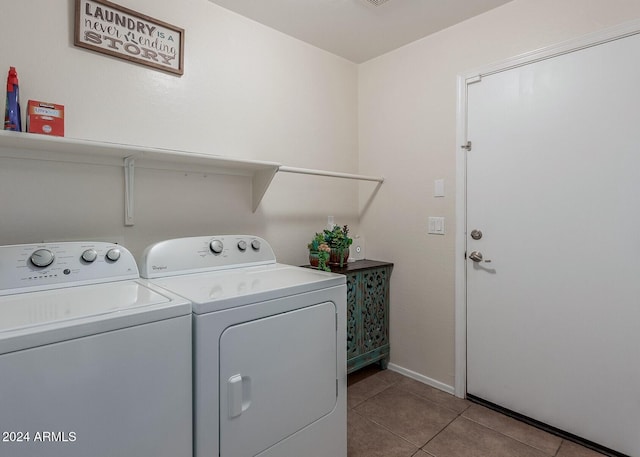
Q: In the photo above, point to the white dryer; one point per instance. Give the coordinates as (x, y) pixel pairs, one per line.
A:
(93, 360)
(269, 347)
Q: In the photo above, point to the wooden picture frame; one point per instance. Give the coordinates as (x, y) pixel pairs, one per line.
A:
(105, 27)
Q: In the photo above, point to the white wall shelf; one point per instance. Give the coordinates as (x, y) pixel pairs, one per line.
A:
(59, 149)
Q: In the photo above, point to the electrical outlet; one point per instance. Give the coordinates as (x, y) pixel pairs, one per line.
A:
(357, 248)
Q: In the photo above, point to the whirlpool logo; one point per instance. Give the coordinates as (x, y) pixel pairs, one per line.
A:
(158, 267)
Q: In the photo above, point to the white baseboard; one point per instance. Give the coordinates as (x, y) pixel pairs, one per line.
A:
(423, 379)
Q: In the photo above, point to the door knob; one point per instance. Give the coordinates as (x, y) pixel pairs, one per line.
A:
(476, 256)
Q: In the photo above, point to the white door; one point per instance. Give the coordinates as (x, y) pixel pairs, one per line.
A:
(277, 376)
(553, 184)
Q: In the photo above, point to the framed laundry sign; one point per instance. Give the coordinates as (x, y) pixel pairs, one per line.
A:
(111, 29)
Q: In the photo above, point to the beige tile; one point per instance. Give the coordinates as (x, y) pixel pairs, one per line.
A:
(422, 453)
(390, 377)
(435, 395)
(569, 449)
(465, 438)
(520, 431)
(413, 418)
(365, 389)
(367, 439)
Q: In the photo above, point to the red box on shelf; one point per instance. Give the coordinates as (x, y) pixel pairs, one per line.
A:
(45, 118)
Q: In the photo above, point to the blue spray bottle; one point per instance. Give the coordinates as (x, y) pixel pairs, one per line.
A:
(12, 117)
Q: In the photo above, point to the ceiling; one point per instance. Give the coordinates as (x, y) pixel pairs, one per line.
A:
(358, 30)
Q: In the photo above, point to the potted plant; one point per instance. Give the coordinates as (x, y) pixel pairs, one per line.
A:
(319, 252)
(338, 240)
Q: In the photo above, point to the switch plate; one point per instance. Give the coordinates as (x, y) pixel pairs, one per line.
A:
(438, 188)
(436, 226)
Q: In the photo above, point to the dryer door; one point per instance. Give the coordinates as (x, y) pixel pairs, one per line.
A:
(277, 376)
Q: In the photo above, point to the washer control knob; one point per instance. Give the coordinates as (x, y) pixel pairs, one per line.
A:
(216, 246)
(113, 254)
(89, 255)
(255, 244)
(42, 258)
(242, 245)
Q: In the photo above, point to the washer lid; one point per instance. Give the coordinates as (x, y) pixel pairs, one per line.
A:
(55, 315)
(223, 289)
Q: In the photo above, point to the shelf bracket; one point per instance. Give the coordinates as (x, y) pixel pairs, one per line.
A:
(129, 172)
(259, 185)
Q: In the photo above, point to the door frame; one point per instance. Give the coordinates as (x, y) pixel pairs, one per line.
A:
(463, 81)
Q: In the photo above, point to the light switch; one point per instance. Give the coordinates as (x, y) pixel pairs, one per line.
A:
(438, 188)
(436, 225)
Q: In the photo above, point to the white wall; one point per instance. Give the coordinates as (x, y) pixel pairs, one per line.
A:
(407, 131)
(247, 92)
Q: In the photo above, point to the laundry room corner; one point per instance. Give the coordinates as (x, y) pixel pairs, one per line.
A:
(247, 92)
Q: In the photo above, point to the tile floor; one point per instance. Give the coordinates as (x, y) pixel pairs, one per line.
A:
(390, 415)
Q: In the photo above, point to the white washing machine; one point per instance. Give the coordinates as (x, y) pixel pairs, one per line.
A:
(93, 360)
(269, 347)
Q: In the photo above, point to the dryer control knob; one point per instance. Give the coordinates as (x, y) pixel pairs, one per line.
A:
(89, 255)
(42, 258)
(216, 246)
(113, 254)
(242, 245)
(255, 244)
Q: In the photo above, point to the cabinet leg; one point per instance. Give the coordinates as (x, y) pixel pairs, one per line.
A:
(384, 363)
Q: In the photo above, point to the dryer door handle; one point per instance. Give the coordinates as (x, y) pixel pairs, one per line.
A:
(239, 394)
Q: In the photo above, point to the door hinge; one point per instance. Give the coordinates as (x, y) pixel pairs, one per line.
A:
(466, 146)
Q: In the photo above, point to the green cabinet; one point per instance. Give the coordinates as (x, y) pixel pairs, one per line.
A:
(367, 312)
